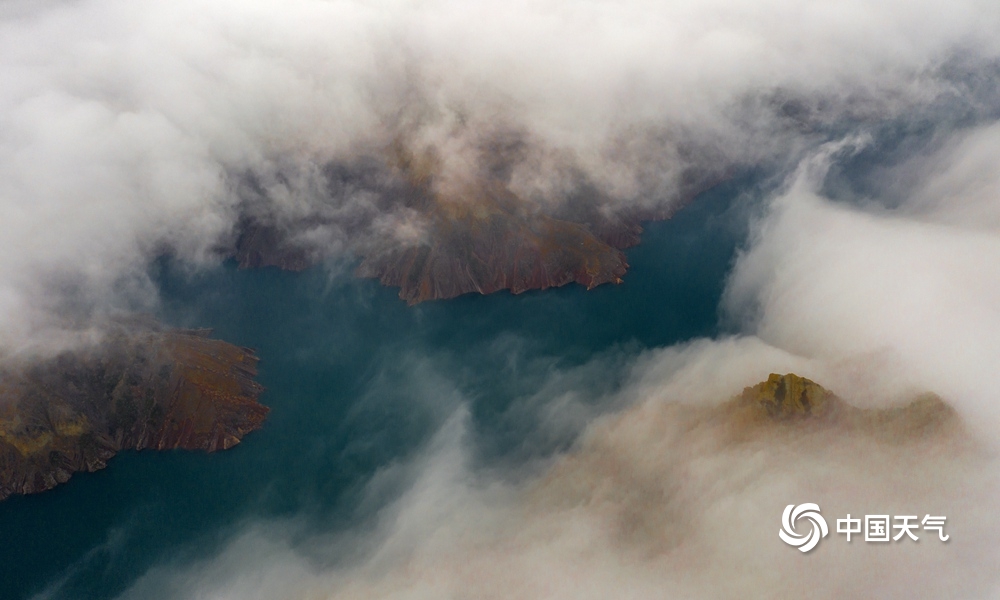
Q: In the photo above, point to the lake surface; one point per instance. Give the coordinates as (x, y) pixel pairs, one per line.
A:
(356, 380)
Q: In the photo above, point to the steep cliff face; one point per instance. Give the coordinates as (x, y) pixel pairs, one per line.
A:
(150, 388)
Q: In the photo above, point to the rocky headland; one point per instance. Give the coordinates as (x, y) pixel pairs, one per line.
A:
(480, 237)
(140, 387)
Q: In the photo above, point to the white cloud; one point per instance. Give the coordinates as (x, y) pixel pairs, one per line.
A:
(124, 123)
(912, 291)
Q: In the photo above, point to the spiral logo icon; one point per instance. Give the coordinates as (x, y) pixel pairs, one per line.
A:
(791, 516)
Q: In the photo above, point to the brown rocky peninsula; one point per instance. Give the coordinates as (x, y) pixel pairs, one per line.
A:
(141, 387)
(487, 242)
(479, 238)
(480, 246)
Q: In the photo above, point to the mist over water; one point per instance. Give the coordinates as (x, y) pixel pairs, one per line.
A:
(553, 444)
(405, 442)
(358, 383)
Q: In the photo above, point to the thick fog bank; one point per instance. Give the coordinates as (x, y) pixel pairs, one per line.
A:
(134, 129)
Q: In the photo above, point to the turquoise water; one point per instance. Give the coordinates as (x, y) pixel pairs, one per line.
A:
(356, 379)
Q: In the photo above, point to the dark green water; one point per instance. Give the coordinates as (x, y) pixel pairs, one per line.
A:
(356, 379)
